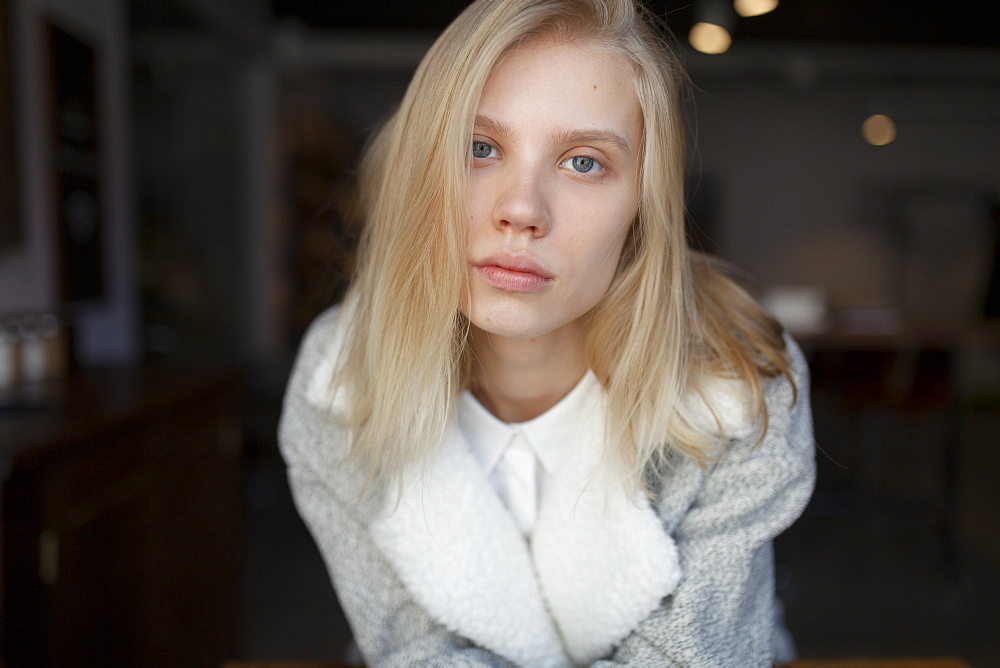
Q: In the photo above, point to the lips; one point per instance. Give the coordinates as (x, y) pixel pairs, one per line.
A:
(513, 274)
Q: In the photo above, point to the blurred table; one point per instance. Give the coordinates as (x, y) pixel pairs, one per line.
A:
(887, 388)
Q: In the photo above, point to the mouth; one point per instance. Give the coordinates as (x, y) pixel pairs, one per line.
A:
(513, 274)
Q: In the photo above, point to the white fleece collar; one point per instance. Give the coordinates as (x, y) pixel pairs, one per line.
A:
(598, 564)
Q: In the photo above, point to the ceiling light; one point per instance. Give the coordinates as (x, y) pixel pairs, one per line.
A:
(878, 130)
(714, 22)
(754, 7)
(710, 38)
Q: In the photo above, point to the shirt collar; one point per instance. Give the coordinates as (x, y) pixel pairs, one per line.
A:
(489, 437)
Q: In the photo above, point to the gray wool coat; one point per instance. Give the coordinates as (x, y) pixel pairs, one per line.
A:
(442, 577)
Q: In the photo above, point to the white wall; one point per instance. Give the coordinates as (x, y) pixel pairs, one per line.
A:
(105, 332)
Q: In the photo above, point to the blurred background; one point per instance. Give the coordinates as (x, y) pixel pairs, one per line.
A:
(175, 207)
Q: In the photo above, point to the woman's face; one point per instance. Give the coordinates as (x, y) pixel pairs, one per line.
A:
(553, 187)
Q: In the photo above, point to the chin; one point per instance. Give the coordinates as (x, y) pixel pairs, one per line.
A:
(509, 330)
(525, 323)
(509, 323)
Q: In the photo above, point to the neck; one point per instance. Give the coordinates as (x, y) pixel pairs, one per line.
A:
(519, 379)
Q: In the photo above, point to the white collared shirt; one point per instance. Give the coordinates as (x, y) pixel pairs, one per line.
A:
(518, 457)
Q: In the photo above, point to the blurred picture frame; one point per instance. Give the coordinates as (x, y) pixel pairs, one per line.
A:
(75, 141)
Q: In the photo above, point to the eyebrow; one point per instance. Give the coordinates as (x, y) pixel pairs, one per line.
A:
(591, 136)
(494, 126)
(570, 137)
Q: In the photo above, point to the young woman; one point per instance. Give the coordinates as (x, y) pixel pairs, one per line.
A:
(541, 431)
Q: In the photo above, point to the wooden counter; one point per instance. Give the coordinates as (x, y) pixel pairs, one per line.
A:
(119, 519)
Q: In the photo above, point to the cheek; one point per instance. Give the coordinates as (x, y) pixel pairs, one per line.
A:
(607, 261)
(477, 203)
(608, 239)
(608, 254)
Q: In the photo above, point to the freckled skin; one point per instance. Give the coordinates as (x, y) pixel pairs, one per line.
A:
(529, 200)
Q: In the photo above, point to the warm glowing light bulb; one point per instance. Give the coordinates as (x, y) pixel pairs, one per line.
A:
(878, 130)
(754, 7)
(710, 38)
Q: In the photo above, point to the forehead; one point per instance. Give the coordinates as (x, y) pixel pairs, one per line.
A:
(581, 85)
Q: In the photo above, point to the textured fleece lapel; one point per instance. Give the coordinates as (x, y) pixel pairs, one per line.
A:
(458, 552)
(599, 562)
(602, 556)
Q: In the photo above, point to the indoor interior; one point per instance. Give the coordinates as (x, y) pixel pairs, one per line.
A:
(176, 207)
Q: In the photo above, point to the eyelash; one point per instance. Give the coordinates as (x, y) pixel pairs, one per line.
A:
(597, 163)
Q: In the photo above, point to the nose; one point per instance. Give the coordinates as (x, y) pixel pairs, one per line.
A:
(522, 204)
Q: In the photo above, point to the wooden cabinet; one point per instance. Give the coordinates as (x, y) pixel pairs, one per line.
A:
(120, 520)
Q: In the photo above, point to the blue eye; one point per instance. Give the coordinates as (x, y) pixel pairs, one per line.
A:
(583, 165)
(481, 149)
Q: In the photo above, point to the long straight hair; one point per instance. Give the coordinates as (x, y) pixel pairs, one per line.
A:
(670, 317)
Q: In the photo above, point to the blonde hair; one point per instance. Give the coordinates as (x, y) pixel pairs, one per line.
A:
(670, 317)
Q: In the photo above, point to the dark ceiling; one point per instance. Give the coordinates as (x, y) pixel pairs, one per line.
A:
(968, 23)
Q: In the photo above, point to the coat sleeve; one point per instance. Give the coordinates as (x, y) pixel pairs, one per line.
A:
(722, 611)
(390, 629)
